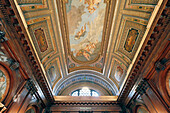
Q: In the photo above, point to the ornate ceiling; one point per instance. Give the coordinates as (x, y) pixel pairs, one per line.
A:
(87, 41)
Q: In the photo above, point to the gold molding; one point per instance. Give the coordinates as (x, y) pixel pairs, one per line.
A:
(65, 1)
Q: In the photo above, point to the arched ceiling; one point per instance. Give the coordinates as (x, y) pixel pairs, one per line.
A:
(87, 38)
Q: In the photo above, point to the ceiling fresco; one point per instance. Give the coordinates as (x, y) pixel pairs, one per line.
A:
(85, 26)
(89, 41)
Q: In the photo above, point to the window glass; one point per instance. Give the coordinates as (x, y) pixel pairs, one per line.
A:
(75, 93)
(85, 91)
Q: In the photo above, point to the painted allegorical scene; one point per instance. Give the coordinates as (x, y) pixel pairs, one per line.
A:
(85, 25)
(131, 39)
(41, 39)
(118, 73)
(3, 85)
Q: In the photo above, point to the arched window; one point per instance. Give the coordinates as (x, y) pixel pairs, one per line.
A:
(85, 91)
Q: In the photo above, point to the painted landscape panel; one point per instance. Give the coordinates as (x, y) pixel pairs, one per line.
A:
(85, 25)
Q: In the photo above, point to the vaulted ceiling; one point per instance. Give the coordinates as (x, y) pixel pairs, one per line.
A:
(89, 42)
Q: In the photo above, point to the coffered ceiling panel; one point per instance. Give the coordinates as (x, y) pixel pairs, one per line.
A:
(43, 36)
(89, 41)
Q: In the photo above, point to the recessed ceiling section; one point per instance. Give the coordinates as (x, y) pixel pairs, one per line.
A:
(85, 30)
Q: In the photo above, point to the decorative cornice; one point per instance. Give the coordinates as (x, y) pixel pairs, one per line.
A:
(85, 103)
(159, 26)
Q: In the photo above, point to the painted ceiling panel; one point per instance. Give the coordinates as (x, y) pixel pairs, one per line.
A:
(118, 72)
(90, 41)
(53, 71)
(85, 26)
(41, 33)
(130, 35)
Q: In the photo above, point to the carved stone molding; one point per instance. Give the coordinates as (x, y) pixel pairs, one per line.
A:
(86, 103)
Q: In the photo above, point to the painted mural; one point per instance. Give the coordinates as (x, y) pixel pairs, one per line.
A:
(85, 25)
(131, 39)
(119, 73)
(42, 42)
(52, 73)
(3, 85)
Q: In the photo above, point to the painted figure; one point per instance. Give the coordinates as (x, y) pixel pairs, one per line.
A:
(87, 51)
(119, 73)
(81, 33)
(131, 39)
(90, 47)
(40, 36)
(93, 4)
(52, 73)
(86, 55)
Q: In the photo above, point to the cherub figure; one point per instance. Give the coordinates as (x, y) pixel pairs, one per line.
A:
(93, 4)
